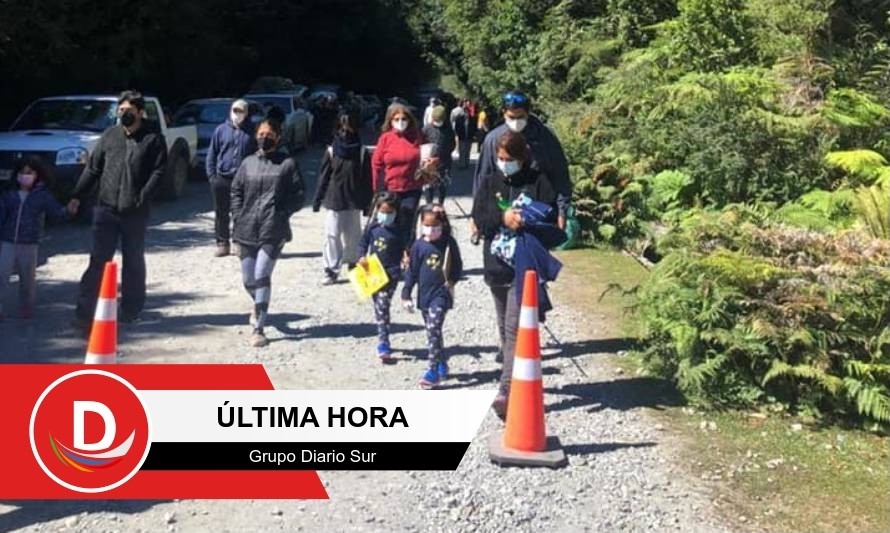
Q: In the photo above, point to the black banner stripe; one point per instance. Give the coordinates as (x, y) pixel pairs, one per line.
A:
(305, 455)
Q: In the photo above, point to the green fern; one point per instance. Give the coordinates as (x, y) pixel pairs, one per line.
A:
(870, 400)
(873, 209)
(691, 378)
(832, 384)
(866, 165)
(850, 108)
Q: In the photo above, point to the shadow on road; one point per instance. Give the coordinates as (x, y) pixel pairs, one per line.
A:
(619, 394)
(603, 447)
(30, 512)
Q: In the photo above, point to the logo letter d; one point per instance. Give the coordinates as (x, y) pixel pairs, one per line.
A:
(82, 407)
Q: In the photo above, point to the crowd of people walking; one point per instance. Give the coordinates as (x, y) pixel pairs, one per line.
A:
(521, 194)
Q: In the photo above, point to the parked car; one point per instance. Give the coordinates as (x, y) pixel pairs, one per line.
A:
(276, 84)
(299, 121)
(206, 114)
(63, 131)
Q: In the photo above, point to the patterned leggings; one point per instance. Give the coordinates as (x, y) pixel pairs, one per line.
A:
(382, 301)
(433, 319)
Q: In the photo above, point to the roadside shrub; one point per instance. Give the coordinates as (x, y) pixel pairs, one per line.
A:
(742, 311)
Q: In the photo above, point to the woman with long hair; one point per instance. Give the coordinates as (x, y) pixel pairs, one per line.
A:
(344, 189)
(396, 164)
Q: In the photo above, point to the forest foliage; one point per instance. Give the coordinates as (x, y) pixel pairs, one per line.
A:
(741, 142)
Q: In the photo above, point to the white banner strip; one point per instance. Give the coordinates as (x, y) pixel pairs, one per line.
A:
(316, 416)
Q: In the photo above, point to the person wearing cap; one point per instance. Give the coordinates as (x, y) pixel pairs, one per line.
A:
(439, 133)
(128, 164)
(547, 153)
(231, 142)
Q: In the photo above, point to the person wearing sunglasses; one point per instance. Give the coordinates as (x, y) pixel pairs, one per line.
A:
(546, 150)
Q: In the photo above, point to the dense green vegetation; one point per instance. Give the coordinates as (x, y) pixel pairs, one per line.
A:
(742, 141)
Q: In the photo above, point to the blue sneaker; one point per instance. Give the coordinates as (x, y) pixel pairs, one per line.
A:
(384, 352)
(442, 369)
(430, 378)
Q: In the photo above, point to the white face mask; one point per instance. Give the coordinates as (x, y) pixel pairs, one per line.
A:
(400, 124)
(432, 232)
(438, 123)
(516, 124)
(237, 118)
(509, 167)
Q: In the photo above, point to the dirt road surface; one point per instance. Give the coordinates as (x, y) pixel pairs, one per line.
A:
(623, 475)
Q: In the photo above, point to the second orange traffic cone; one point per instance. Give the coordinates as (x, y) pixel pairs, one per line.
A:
(102, 349)
(525, 441)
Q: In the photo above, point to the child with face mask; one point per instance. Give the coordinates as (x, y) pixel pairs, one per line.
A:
(21, 215)
(383, 237)
(434, 266)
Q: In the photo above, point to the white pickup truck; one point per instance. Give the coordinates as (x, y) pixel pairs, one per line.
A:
(63, 131)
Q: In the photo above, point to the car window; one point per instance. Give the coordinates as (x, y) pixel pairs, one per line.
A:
(188, 115)
(284, 102)
(151, 110)
(214, 113)
(86, 115)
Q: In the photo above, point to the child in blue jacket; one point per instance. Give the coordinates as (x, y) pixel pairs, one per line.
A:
(382, 237)
(21, 214)
(434, 266)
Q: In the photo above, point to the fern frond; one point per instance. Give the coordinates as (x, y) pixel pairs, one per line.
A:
(870, 400)
(830, 383)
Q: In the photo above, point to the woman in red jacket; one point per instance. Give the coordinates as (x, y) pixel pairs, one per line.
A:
(395, 165)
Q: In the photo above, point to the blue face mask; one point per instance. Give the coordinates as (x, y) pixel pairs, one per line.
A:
(386, 218)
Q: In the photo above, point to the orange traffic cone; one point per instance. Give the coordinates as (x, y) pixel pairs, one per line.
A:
(102, 349)
(524, 441)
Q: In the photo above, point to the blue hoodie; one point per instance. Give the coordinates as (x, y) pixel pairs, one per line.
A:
(229, 146)
(426, 270)
(387, 243)
(20, 221)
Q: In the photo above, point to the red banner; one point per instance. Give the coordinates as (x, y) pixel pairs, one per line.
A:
(53, 449)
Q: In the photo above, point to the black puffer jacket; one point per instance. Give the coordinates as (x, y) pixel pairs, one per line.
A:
(493, 188)
(266, 191)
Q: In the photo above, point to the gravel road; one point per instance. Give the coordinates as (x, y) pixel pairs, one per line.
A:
(625, 472)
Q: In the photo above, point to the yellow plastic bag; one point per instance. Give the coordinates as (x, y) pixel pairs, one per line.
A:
(368, 281)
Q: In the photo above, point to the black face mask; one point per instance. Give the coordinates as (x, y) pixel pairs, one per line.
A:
(128, 118)
(266, 143)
